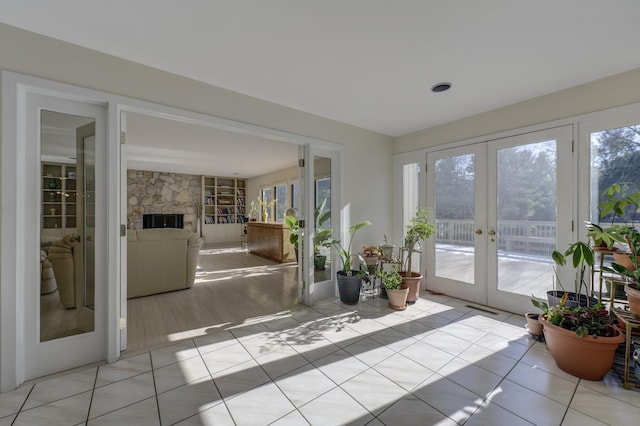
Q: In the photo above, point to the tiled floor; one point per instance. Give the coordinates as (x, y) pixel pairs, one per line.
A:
(439, 362)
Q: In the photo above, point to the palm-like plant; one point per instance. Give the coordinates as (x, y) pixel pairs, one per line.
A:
(345, 253)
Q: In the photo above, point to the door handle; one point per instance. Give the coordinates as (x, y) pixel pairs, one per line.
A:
(478, 231)
(492, 233)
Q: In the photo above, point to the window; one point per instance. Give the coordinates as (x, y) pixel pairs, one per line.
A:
(267, 196)
(281, 201)
(615, 155)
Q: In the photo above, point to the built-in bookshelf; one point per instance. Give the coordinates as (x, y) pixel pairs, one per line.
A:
(224, 203)
(58, 206)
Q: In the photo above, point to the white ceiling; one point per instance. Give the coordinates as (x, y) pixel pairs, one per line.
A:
(164, 145)
(369, 63)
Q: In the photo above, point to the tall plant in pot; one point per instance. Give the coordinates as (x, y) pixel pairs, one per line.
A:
(418, 230)
(350, 280)
(582, 258)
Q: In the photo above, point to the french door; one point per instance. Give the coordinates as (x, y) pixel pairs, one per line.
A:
(318, 197)
(500, 207)
(65, 328)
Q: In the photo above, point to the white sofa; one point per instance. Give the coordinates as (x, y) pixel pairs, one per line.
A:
(161, 260)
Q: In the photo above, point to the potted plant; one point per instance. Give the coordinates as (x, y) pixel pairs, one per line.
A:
(392, 282)
(632, 271)
(582, 256)
(581, 339)
(349, 280)
(386, 248)
(418, 230)
(253, 210)
(371, 254)
(620, 203)
(534, 326)
(291, 222)
(322, 237)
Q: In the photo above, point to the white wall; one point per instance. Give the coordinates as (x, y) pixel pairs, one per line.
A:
(25, 52)
(617, 90)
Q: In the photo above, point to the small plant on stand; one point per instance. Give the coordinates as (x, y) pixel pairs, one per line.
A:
(386, 248)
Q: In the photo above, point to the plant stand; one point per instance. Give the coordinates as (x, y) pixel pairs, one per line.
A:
(630, 322)
(370, 282)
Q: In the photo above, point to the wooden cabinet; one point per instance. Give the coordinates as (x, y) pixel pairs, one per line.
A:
(270, 240)
(224, 209)
(58, 206)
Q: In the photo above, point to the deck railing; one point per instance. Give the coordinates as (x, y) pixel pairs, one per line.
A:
(531, 237)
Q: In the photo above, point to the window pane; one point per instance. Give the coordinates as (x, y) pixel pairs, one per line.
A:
(267, 196)
(281, 202)
(455, 216)
(526, 207)
(294, 195)
(615, 156)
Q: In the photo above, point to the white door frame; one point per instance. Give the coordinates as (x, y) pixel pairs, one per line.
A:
(18, 234)
(14, 190)
(314, 292)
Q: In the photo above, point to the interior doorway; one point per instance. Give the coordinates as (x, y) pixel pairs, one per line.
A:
(207, 150)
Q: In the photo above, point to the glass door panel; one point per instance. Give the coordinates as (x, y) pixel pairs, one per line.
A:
(526, 221)
(526, 215)
(456, 193)
(454, 213)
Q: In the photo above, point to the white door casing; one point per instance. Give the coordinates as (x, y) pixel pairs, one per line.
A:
(43, 358)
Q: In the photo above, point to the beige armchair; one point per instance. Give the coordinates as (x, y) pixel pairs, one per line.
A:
(161, 260)
(47, 277)
(62, 256)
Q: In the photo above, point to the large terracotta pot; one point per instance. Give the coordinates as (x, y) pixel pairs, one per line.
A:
(413, 284)
(624, 259)
(398, 298)
(633, 296)
(586, 357)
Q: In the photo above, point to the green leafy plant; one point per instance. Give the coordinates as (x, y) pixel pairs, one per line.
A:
(418, 230)
(619, 202)
(634, 271)
(392, 280)
(253, 209)
(582, 257)
(604, 236)
(292, 224)
(345, 252)
(322, 237)
(371, 251)
(583, 320)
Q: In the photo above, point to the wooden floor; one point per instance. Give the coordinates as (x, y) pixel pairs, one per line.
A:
(232, 287)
